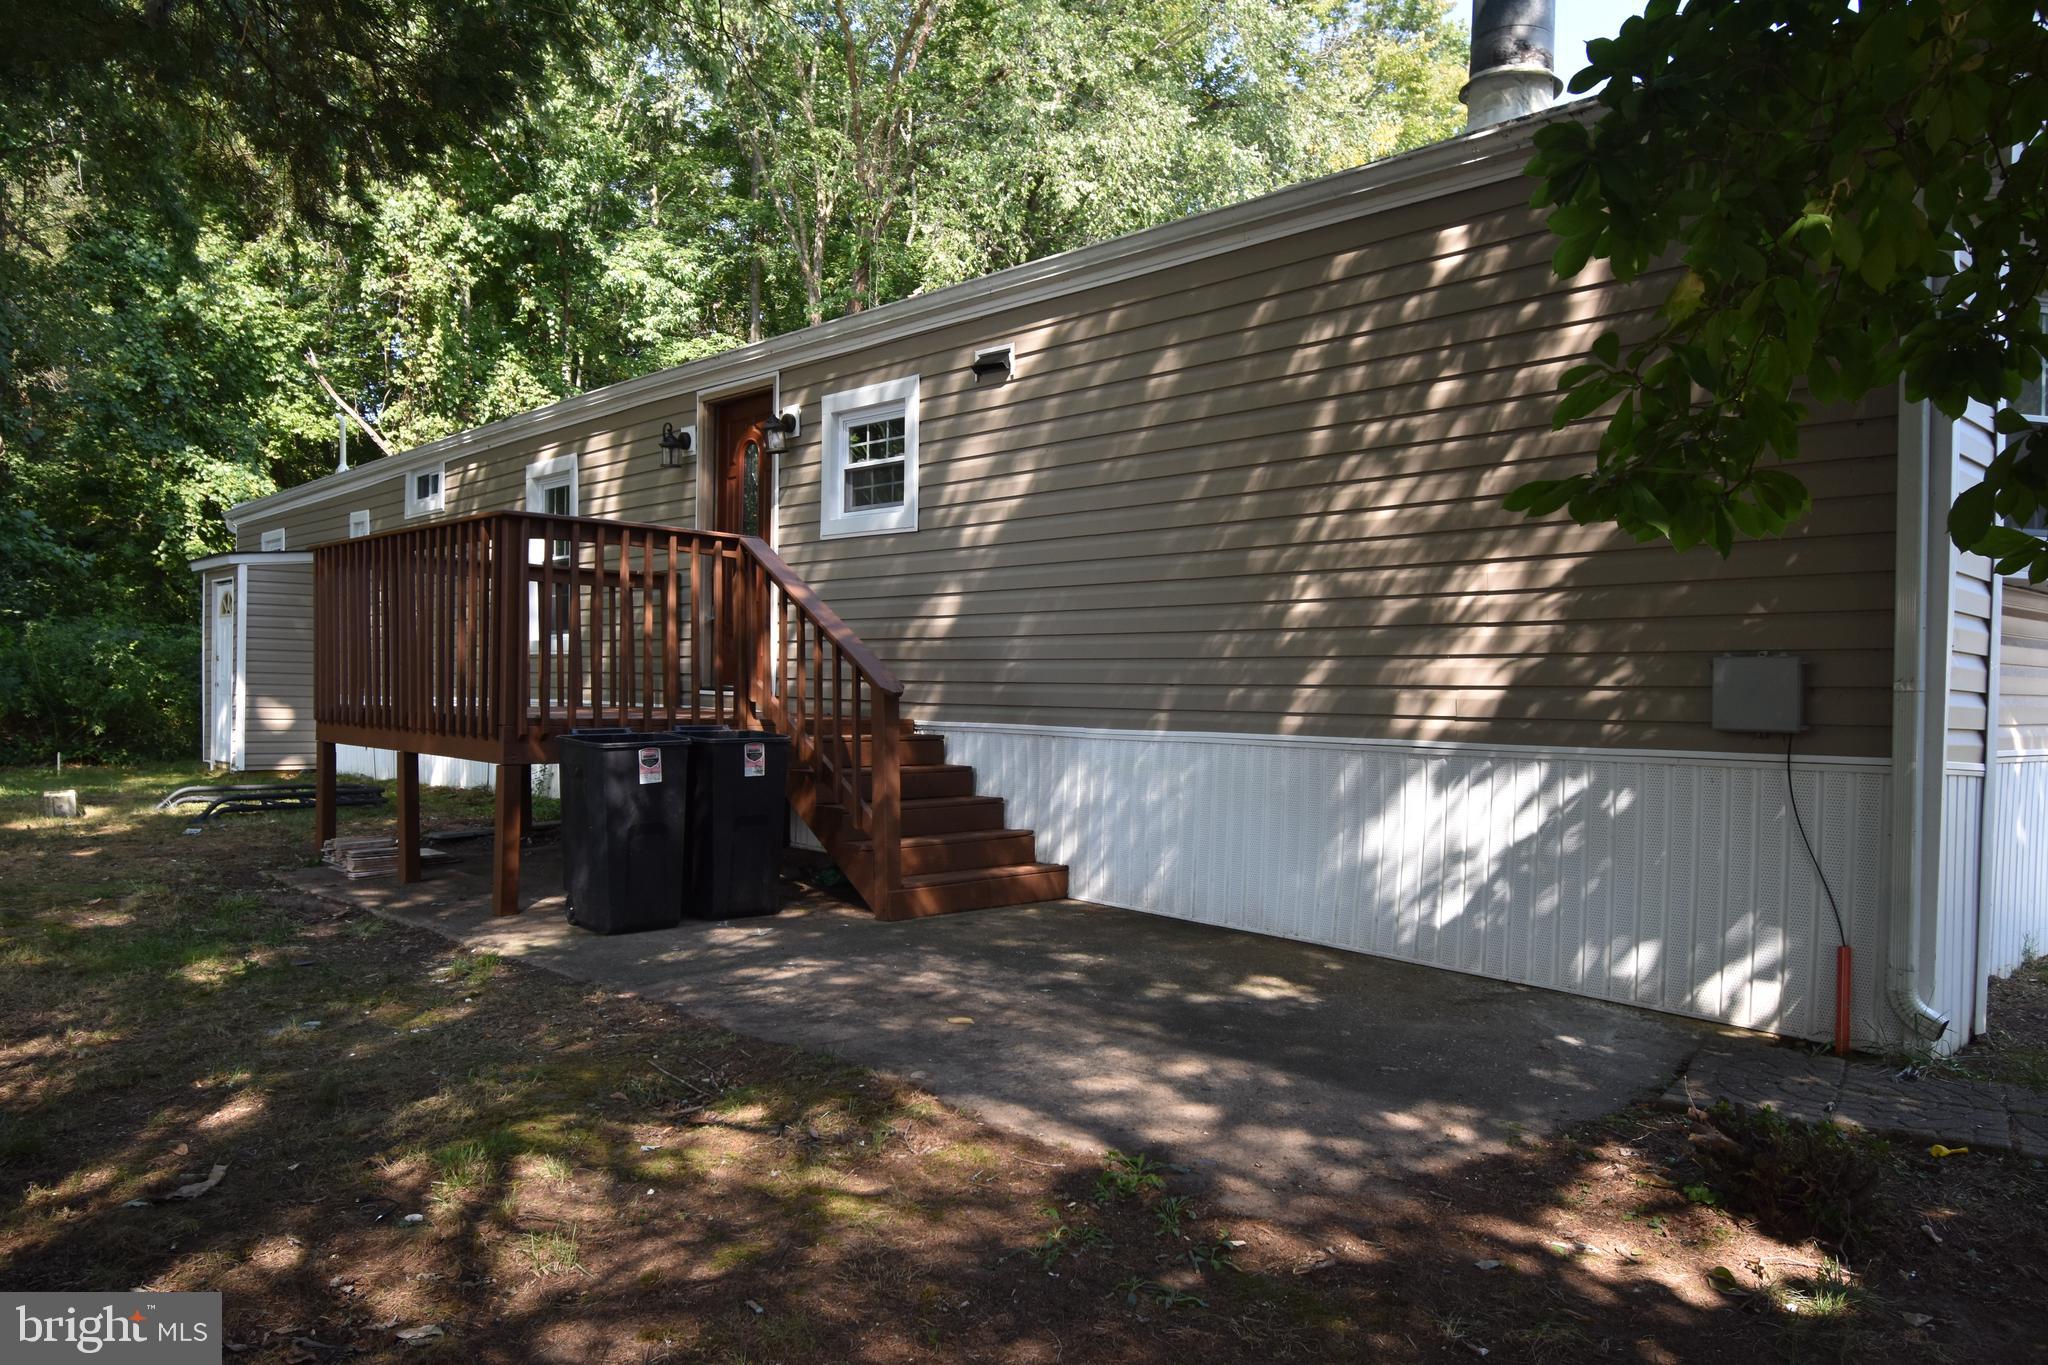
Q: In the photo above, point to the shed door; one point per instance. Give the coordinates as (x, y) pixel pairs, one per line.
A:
(220, 614)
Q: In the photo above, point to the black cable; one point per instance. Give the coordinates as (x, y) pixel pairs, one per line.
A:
(1792, 800)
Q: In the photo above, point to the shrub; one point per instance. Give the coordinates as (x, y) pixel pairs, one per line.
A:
(97, 689)
(1796, 1178)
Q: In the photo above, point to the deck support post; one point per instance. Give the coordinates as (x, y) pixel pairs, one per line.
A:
(323, 794)
(408, 817)
(510, 829)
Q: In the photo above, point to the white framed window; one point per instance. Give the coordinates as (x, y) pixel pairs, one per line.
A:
(359, 523)
(426, 490)
(870, 460)
(274, 540)
(551, 488)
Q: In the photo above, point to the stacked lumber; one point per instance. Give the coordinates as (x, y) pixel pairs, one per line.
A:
(363, 856)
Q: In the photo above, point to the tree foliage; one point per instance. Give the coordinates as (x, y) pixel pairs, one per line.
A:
(468, 210)
(1851, 195)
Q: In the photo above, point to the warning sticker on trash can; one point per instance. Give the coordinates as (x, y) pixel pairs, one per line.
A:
(756, 756)
(650, 766)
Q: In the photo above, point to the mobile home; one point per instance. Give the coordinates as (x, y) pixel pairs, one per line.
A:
(1190, 546)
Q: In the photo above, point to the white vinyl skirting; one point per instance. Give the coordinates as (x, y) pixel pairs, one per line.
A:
(1665, 880)
(2016, 882)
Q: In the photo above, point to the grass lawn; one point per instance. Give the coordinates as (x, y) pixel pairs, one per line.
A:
(509, 1166)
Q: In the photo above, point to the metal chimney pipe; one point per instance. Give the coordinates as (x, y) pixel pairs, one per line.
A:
(1511, 62)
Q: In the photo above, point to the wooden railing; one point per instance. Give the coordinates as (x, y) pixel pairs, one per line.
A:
(842, 710)
(490, 636)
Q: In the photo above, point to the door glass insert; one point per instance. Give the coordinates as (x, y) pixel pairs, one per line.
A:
(750, 490)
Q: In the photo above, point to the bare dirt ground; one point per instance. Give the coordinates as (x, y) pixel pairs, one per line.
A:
(432, 1154)
(2015, 1049)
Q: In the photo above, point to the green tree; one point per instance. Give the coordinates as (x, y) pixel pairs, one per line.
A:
(1856, 197)
(890, 146)
(470, 210)
(1073, 123)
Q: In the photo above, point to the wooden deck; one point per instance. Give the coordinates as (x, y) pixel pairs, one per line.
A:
(490, 637)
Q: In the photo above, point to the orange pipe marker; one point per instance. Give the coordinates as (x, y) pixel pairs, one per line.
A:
(1843, 961)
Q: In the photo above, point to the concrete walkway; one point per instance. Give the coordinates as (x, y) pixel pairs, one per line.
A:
(1980, 1115)
(1281, 1072)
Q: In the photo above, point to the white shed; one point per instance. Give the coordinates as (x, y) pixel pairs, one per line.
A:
(256, 660)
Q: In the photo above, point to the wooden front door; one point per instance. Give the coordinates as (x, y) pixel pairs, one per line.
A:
(743, 487)
(742, 491)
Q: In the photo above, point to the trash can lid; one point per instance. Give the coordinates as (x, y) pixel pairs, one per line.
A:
(740, 737)
(619, 737)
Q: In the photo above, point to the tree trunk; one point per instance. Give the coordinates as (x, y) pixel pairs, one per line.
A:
(754, 255)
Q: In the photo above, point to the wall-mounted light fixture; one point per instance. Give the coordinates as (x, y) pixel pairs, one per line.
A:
(781, 430)
(994, 364)
(675, 444)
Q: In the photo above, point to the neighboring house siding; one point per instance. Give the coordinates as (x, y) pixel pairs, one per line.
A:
(278, 667)
(1260, 493)
(2023, 672)
(2016, 879)
(1969, 680)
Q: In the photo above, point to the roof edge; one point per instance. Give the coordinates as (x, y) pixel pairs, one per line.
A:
(237, 557)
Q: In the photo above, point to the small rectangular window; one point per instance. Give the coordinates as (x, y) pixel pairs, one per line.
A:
(870, 459)
(359, 523)
(874, 464)
(273, 540)
(425, 491)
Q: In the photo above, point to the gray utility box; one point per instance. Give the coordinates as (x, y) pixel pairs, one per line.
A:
(1760, 694)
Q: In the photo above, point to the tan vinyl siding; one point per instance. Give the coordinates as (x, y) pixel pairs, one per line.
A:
(277, 667)
(1261, 493)
(619, 474)
(305, 527)
(2023, 670)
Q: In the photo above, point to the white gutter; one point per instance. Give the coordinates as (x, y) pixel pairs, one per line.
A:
(1920, 599)
(240, 557)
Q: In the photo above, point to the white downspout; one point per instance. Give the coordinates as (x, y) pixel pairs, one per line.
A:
(1920, 598)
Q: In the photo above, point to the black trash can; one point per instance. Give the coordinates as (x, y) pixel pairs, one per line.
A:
(739, 820)
(625, 828)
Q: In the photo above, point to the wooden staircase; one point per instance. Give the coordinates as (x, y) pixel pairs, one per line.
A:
(955, 851)
(491, 636)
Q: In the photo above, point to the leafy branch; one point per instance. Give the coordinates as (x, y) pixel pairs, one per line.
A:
(1844, 199)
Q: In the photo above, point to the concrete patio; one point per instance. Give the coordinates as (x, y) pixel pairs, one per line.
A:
(1278, 1071)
